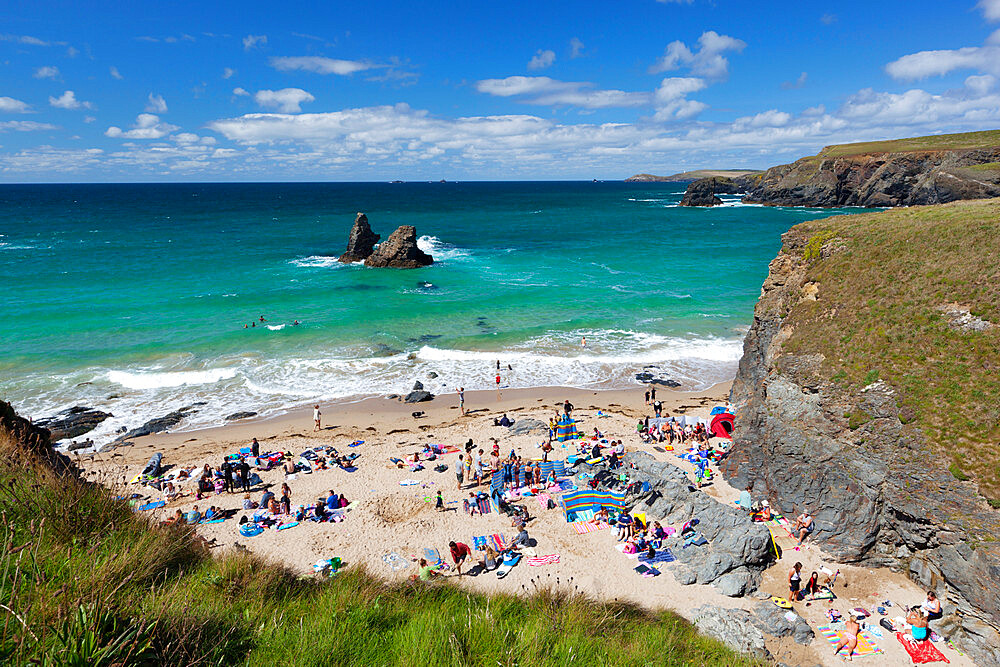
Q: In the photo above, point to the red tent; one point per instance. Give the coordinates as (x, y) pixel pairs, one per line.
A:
(722, 425)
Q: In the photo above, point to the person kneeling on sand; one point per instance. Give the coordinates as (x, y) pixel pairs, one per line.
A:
(424, 572)
(490, 558)
(521, 540)
(850, 640)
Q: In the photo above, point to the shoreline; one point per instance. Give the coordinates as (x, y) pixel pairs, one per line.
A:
(351, 412)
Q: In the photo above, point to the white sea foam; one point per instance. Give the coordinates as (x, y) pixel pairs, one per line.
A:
(156, 380)
(439, 250)
(274, 385)
(316, 261)
(276, 327)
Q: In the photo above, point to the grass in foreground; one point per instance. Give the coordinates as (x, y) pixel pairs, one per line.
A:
(878, 317)
(87, 582)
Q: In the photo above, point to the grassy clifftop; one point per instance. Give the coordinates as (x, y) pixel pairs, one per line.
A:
(912, 296)
(87, 581)
(937, 142)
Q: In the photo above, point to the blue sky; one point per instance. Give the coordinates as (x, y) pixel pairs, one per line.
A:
(222, 91)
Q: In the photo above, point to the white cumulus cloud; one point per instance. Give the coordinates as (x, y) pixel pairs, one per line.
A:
(575, 48)
(925, 64)
(542, 59)
(991, 9)
(320, 65)
(286, 100)
(10, 105)
(156, 104)
(228, 72)
(147, 126)
(46, 72)
(543, 90)
(250, 41)
(705, 60)
(68, 101)
(115, 74)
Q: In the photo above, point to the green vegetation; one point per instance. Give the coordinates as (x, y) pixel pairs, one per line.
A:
(986, 166)
(938, 142)
(957, 473)
(88, 582)
(881, 294)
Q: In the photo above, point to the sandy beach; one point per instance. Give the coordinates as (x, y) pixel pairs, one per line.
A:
(390, 517)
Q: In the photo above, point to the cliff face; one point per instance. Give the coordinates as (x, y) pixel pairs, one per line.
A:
(703, 191)
(880, 179)
(853, 453)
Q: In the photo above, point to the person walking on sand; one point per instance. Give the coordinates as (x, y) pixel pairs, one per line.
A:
(498, 384)
(245, 474)
(316, 417)
(459, 469)
(461, 399)
(647, 397)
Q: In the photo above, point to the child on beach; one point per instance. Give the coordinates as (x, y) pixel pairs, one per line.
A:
(459, 469)
(316, 417)
(439, 503)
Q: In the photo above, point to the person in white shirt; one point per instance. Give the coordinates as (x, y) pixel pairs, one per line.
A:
(316, 417)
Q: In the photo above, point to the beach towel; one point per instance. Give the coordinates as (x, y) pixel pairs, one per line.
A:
(409, 482)
(543, 560)
(151, 506)
(479, 543)
(584, 527)
(498, 541)
(646, 570)
(395, 561)
(621, 548)
(866, 645)
(920, 652)
(661, 556)
(543, 500)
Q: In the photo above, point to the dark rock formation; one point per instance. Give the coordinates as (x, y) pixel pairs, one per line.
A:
(702, 192)
(880, 179)
(528, 426)
(73, 422)
(361, 241)
(735, 544)
(418, 396)
(879, 494)
(157, 425)
(33, 439)
(246, 414)
(400, 251)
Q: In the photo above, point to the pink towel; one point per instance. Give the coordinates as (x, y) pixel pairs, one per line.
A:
(544, 560)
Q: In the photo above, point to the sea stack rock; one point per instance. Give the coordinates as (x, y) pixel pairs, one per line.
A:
(702, 192)
(400, 251)
(361, 242)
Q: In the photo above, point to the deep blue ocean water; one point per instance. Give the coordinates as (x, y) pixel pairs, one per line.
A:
(142, 291)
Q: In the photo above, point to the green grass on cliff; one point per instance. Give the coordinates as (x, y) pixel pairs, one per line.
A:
(937, 142)
(85, 581)
(878, 316)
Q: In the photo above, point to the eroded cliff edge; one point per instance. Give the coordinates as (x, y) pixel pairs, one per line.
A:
(868, 393)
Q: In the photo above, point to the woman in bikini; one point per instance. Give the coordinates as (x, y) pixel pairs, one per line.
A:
(795, 581)
(850, 637)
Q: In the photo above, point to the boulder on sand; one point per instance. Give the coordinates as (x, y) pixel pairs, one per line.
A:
(400, 251)
(418, 396)
(361, 241)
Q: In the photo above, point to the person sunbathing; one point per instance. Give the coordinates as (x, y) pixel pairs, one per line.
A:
(850, 637)
(490, 559)
(177, 518)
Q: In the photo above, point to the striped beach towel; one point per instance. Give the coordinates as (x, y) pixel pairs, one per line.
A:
(866, 645)
(559, 468)
(543, 560)
(498, 541)
(543, 500)
(583, 527)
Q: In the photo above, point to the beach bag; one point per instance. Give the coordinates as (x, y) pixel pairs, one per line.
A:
(887, 624)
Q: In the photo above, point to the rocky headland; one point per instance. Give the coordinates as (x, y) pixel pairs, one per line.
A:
(865, 397)
(905, 172)
(399, 251)
(689, 176)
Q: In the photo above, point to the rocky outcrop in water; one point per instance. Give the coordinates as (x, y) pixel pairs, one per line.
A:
(879, 494)
(400, 251)
(880, 179)
(703, 191)
(361, 241)
(73, 422)
(158, 425)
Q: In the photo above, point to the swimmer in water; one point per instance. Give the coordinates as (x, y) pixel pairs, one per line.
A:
(295, 323)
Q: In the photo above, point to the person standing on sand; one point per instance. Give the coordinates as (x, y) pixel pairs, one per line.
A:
(459, 554)
(254, 448)
(316, 417)
(227, 473)
(498, 384)
(647, 397)
(657, 408)
(652, 393)
(245, 474)
(461, 399)
(459, 468)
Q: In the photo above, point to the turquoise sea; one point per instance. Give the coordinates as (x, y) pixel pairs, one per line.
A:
(133, 298)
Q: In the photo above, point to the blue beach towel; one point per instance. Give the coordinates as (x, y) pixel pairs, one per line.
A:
(661, 556)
